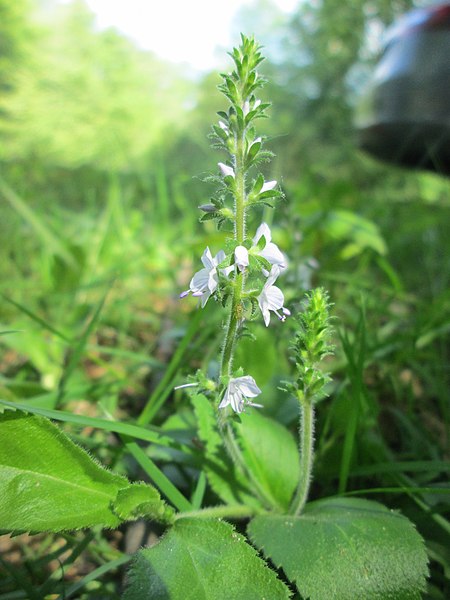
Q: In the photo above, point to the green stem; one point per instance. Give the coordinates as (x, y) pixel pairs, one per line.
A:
(239, 511)
(240, 197)
(306, 447)
(235, 454)
(239, 236)
(231, 330)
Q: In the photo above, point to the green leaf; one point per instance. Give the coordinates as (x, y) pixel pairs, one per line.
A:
(48, 483)
(202, 559)
(228, 483)
(359, 232)
(258, 357)
(345, 548)
(139, 500)
(252, 152)
(270, 453)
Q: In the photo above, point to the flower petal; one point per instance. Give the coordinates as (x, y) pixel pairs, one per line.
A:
(219, 257)
(213, 280)
(241, 257)
(269, 185)
(273, 276)
(226, 170)
(200, 281)
(205, 298)
(274, 297)
(263, 230)
(273, 254)
(207, 259)
(237, 392)
(247, 386)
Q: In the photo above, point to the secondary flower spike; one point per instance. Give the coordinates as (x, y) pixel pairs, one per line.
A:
(271, 298)
(204, 283)
(238, 391)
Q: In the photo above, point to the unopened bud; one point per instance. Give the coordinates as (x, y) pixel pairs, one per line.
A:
(208, 208)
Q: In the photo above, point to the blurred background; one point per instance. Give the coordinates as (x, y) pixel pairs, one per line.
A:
(105, 110)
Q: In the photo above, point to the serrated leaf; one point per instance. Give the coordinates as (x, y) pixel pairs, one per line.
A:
(209, 216)
(270, 453)
(226, 481)
(48, 483)
(345, 548)
(202, 559)
(252, 152)
(271, 194)
(140, 500)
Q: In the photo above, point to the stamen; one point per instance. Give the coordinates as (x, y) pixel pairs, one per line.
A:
(185, 385)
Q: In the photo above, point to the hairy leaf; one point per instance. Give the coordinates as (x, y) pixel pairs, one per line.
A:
(270, 453)
(48, 483)
(202, 559)
(342, 549)
(228, 483)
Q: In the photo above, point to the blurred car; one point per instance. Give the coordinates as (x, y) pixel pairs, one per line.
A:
(405, 116)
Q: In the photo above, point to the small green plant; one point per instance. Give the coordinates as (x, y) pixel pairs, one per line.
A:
(258, 477)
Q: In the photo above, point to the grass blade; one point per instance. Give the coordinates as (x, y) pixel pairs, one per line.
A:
(113, 564)
(159, 479)
(37, 319)
(132, 431)
(49, 240)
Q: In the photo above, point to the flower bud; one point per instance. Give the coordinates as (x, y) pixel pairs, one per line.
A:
(208, 208)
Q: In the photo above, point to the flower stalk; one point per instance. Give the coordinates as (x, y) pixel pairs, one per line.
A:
(226, 275)
(306, 448)
(311, 346)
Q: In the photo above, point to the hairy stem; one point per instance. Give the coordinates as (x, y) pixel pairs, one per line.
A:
(306, 447)
(238, 511)
(239, 236)
(231, 329)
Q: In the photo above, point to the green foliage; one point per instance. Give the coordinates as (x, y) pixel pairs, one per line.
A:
(87, 97)
(14, 31)
(202, 559)
(74, 102)
(270, 455)
(340, 548)
(359, 233)
(226, 480)
(51, 484)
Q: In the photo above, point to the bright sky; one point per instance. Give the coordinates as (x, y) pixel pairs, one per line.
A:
(178, 30)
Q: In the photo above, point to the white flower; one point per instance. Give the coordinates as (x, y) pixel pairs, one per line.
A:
(271, 298)
(269, 185)
(226, 170)
(205, 281)
(246, 106)
(237, 392)
(241, 257)
(270, 252)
